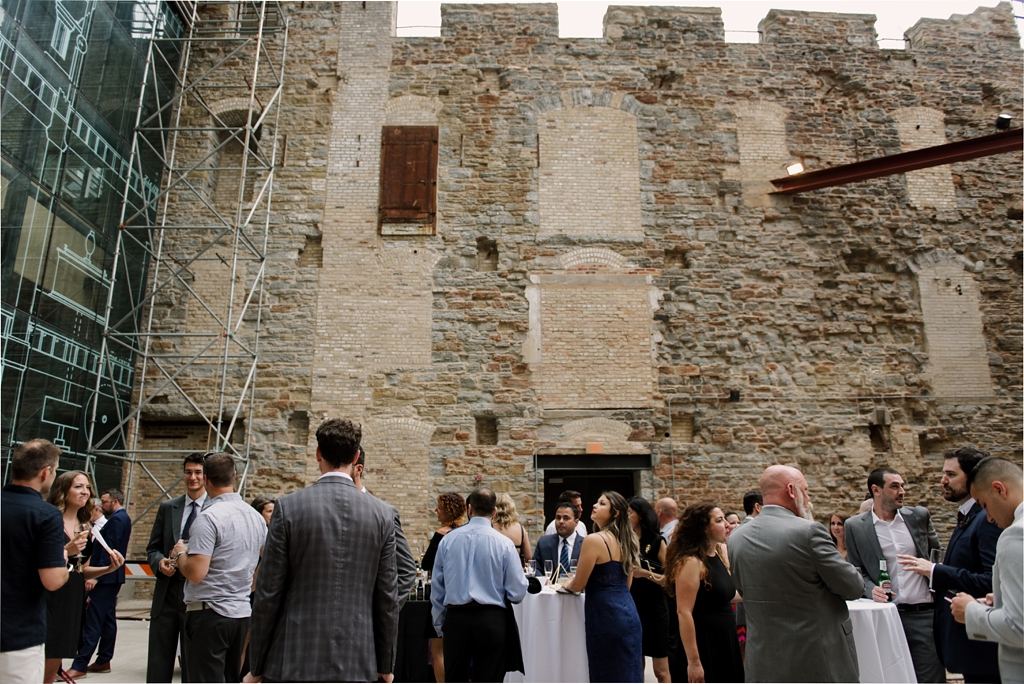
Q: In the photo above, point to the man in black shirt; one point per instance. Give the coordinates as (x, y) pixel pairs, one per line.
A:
(35, 561)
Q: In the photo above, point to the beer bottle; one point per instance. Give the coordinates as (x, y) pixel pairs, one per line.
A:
(883, 579)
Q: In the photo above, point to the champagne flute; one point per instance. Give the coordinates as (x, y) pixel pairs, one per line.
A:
(548, 568)
(572, 567)
(531, 568)
(81, 530)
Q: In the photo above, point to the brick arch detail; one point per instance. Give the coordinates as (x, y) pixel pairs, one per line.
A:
(406, 260)
(412, 110)
(591, 255)
(233, 111)
(597, 430)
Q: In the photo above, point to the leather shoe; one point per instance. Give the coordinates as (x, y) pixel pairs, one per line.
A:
(99, 667)
(75, 674)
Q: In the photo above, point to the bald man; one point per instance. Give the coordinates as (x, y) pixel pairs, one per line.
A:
(795, 586)
(668, 513)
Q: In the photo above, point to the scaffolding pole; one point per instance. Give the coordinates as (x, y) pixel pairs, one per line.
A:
(227, 101)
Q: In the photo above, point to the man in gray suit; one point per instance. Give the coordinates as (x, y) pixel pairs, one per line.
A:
(167, 615)
(997, 484)
(326, 603)
(403, 554)
(885, 532)
(795, 586)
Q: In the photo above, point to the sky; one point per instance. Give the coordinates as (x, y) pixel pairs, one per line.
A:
(581, 18)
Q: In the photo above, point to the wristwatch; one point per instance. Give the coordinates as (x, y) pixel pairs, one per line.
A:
(174, 561)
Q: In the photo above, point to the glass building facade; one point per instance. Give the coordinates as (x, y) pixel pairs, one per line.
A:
(72, 75)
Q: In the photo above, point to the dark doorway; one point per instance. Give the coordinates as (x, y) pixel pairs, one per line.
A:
(589, 483)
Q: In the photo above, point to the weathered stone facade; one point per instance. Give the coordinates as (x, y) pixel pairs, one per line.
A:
(605, 241)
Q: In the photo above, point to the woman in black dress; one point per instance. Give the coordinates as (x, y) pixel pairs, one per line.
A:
(704, 593)
(648, 582)
(65, 608)
(451, 508)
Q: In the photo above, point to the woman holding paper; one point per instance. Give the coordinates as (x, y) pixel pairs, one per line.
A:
(71, 493)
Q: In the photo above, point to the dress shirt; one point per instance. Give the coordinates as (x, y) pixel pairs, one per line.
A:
(894, 538)
(963, 510)
(568, 544)
(335, 473)
(232, 534)
(475, 563)
(581, 529)
(668, 529)
(200, 502)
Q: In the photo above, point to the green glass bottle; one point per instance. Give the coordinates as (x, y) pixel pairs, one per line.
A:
(883, 579)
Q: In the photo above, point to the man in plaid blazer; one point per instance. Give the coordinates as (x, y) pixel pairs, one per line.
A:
(326, 603)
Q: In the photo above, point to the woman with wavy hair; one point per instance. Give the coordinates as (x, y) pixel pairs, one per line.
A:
(506, 521)
(71, 493)
(450, 511)
(605, 569)
(704, 593)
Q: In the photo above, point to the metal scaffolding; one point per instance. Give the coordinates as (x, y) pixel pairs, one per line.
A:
(220, 123)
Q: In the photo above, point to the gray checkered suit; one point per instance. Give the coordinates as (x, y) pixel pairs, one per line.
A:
(326, 603)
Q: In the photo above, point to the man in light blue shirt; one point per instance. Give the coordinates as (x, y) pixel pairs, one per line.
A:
(476, 569)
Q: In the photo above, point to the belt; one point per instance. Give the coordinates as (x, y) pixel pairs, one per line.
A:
(914, 607)
(202, 605)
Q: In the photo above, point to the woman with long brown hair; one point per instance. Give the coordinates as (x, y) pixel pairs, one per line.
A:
(837, 530)
(704, 592)
(450, 511)
(605, 568)
(71, 493)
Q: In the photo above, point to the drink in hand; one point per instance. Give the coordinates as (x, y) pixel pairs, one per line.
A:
(883, 579)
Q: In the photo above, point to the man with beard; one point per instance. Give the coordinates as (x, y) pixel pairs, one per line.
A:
(884, 533)
(782, 563)
(966, 567)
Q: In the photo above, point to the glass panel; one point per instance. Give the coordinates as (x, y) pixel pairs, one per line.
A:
(112, 73)
(26, 232)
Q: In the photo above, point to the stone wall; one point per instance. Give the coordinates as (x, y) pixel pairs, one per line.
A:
(462, 363)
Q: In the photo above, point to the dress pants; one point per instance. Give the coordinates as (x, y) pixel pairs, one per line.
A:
(475, 634)
(919, 629)
(166, 631)
(100, 626)
(214, 646)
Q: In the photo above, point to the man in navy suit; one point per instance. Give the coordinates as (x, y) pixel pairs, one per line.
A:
(563, 546)
(967, 567)
(101, 615)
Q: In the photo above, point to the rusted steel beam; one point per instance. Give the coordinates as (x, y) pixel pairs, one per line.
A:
(962, 150)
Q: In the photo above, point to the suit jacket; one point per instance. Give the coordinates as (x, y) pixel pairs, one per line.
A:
(794, 585)
(326, 603)
(116, 533)
(166, 530)
(405, 563)
(1003, 623)
(967, 567)
(863, 550)
(547, 549)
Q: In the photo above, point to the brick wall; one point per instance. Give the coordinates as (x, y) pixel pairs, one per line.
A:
(923, 127)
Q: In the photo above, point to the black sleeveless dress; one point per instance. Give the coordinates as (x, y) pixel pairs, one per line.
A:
(715, 627)
(651, 602)
(65, 611)
(428, 565)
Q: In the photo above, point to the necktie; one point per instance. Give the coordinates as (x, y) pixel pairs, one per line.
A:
(563, 559)
(961, 519)
(188, 522)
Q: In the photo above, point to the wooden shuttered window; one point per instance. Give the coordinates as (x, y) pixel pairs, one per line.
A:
(408, 175)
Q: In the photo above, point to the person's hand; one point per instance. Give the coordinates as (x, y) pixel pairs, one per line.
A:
(989, 600)
(180, 547)
(165, 567)
(116, 559)
(915, 564)
(90, 584)
(878, 594)
(75, 546)
(385, 678)
(695, 672)
(250, 679)
(958, 606)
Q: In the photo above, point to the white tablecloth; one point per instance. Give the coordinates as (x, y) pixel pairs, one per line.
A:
(882, 651)
(553, 636)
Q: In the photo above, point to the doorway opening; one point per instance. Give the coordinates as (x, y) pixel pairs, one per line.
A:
(590, 484)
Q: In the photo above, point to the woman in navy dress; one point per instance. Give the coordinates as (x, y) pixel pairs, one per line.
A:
(605, 567)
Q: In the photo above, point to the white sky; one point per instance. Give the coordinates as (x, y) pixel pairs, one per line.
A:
(581, 18)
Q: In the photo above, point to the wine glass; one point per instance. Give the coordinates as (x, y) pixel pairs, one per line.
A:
(531, 568)
(81, 530)
(572, 567)
(548, 568)
(933, 556)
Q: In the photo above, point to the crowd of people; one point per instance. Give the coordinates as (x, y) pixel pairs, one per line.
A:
(309, 587)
